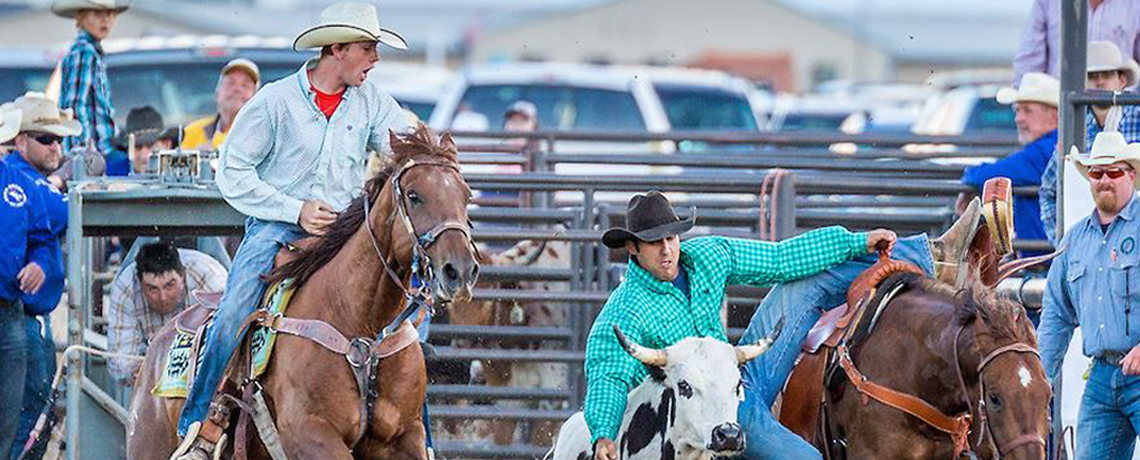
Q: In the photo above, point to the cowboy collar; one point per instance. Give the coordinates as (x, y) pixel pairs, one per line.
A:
(17, 161)
(638, 276)
(307, 86)
(85, 36)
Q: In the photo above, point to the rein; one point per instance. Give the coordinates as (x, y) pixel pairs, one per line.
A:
(982, 412)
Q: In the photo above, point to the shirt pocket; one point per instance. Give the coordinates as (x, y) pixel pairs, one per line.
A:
(1125, 300)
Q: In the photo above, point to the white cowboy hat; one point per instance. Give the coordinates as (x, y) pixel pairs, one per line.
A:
(69, 8)
(1035, 87)
(41, 115)
(1108, 148)
(1104, 56)
(346, 23)
(9, 123)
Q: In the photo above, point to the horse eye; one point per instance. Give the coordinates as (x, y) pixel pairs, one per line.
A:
(414, 198)
(684, 388)
(995, 401)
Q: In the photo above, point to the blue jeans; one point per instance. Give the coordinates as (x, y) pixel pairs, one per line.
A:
(244, 290)
(13, 369)
(800, 303)
(1109, 417)
(37, 384)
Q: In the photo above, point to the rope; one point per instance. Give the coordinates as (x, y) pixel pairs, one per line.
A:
(57, 380)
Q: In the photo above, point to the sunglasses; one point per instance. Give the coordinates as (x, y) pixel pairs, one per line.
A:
(1114, 173)
(47, 139)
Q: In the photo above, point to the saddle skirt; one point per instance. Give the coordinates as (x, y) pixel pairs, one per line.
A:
(184, 357)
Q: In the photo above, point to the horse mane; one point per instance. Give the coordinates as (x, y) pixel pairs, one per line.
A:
(1005, 320)
(421, 142)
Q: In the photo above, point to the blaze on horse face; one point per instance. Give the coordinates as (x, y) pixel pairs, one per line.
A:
(704, 387)
(436, 196)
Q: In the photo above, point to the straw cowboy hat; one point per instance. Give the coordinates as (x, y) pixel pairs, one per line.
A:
(9, 123)
(69, 8)
(1035, 87)
(1104, 56)
(1108, 148)
(649, 218)
(346, 23)
(41, 115)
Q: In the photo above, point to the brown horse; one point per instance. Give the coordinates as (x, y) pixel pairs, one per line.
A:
(946, 347)
(344, 280)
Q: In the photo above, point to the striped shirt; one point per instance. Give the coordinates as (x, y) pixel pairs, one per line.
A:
(84, 89)
(656, 314)
(1116, 21)
(282, 151)
(130, 324)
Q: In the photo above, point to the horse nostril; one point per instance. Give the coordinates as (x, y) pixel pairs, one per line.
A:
(450, 273)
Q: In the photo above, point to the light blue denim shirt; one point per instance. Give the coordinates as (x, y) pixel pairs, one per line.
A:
(1094, 284)
(282, 151)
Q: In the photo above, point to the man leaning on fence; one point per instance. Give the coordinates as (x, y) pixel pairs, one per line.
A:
(1108, 70)
(1035, 104)
(1095, 285)
(674, 290)
(84, 87)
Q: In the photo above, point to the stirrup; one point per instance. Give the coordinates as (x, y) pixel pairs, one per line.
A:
(187, 441)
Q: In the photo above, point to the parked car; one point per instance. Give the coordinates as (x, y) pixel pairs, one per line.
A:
(23, 70)
(177, 75)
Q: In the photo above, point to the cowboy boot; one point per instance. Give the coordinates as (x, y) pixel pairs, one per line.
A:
(949, 250)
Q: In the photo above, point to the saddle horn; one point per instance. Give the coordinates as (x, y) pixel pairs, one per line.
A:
(647, 356)
(746, 353)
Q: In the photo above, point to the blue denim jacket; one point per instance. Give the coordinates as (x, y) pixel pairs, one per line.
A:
(1094, 284)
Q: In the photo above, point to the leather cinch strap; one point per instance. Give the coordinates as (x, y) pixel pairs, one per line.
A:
(957, 427)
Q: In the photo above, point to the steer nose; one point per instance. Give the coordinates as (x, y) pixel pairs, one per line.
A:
(727, 437)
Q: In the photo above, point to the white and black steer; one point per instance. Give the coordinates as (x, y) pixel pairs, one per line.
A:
(685, 411)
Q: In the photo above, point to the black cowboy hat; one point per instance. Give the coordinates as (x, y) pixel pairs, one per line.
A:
(146, 124)
(649, 217)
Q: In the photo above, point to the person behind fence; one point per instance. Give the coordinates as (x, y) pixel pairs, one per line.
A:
(1108, 70)
(37, 154)
(294, 157)
(1094, 285)
(25, 262)
(1035, 104)
(151, 135)
(84, 87)
(673, 290)
(161, 282)
(1040, 47)
(237, 82)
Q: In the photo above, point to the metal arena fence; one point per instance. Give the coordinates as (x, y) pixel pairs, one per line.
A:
(729, 178)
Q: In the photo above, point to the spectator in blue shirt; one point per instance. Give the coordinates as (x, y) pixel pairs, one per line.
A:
(25, 251)
(1108, 70)
(37, 155)
(1035, 103)
(1095, 285)
(84, 87)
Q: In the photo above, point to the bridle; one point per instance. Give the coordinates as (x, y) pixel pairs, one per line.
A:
(423, 274)
(1024, 439)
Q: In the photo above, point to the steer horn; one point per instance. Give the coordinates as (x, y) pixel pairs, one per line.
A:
(746, 353)
(647, 356)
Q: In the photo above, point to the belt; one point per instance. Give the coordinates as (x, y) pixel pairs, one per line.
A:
(1112, 358)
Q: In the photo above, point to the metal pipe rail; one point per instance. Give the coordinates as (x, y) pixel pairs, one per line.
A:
(491, 354)
(481, 392)
(458, 331)
(803, 138)
(838, 163)
(494, 413)
(485, 450)
(493, 273)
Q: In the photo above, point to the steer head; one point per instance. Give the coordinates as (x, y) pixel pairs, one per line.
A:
(702, 380)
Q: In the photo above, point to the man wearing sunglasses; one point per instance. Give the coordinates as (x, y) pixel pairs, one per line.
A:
(37, 154)
(1095, 285)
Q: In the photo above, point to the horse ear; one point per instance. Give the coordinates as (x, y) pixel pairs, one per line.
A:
(447, 143)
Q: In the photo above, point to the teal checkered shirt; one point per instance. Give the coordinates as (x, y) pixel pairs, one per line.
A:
(656, 314)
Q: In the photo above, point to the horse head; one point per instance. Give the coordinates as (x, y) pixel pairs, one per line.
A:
(423, 206)
(1012, 405)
